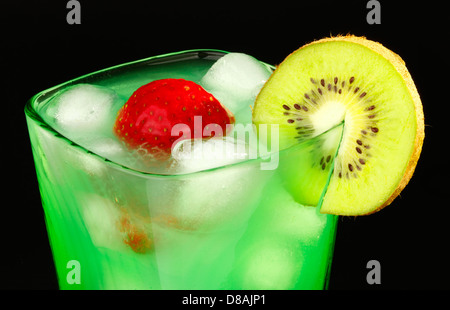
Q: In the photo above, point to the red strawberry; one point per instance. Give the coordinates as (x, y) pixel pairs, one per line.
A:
(147, 118)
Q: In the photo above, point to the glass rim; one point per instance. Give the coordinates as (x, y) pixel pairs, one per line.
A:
(31, 112)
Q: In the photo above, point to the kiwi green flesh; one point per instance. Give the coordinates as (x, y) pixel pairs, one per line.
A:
(323, 84)
(303, 174)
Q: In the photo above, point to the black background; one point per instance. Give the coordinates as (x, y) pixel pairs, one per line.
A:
(39, 50)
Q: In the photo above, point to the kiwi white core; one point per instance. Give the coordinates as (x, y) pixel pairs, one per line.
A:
(330, 114)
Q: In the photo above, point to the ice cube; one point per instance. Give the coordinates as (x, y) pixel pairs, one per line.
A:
(109, 148)
(244, 115)
(222, 198)
(235, 80)
(269, 265)
(209, 199)
(198, 154)
(100, 218)
(82, 110)
(295, 220)
(85, 114)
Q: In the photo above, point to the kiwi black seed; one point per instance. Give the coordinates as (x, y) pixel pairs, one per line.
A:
(336, 89)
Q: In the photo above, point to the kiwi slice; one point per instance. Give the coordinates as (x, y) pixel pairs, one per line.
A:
(366, 86)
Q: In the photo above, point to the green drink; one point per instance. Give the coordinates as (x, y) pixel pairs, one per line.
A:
(113, 223)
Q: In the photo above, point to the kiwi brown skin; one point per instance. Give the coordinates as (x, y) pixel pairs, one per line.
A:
(400, 66)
